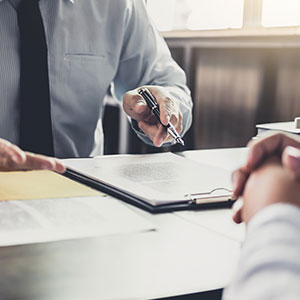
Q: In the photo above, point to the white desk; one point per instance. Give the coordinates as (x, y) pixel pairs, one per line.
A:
(218, 220)
(181, 257)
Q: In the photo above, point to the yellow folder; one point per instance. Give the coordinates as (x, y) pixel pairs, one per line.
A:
(24, 185)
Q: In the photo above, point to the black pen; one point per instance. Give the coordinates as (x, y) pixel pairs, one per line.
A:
(153, 105)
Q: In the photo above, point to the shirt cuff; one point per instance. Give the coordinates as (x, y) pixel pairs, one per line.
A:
(274, 212)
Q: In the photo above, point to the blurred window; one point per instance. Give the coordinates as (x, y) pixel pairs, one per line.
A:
(196, 14)
(279, 13)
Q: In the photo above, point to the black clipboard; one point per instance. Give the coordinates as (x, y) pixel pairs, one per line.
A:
(218, 197)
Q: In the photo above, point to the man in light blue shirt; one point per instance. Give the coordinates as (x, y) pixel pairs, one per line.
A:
(94, 46)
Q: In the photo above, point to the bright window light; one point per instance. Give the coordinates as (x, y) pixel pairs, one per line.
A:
(196, 14)
(279, 13)
(162, 13)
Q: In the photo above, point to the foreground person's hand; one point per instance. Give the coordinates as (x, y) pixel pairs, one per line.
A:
(284, 146)
(269, 184)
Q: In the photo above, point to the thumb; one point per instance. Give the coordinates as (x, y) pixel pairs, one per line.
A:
(291, 159)
(140, 107)
(237, 211)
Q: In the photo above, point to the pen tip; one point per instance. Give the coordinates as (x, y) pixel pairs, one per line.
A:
(180, 141)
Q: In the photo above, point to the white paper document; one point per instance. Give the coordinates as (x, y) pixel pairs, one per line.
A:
(157, 178)
(217, 220)
(46, 220)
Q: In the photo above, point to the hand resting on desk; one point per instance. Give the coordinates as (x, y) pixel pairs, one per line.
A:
(12, 158)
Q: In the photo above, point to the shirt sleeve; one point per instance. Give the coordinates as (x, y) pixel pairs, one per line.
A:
(269, 266)
(146, 60)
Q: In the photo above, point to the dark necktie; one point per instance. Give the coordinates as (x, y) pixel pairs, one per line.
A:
(35, 124)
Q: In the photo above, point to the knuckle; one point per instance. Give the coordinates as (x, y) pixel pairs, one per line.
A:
(254, 145)
(179, 128)
(126, 97)
(8, 163)
(174, 120)
(16, 148)
(180, 116)
(167, 103)
(277, 134)
(250, 144)
(6, 144)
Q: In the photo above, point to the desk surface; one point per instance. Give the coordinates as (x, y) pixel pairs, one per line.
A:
(190, 252)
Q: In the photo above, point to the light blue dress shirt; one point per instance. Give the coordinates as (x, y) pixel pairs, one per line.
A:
(94, 46)
(269, 267)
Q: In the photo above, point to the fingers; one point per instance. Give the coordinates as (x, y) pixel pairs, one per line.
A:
(291, 160)
(270, 144)
(237, 211)
(41, 162)
(135, 106)
(239, 178)
(169, 108)
(281, 145)
(267, 185)
(10, 155)
(59, 167)
(34, 162)
(12, 158)
(16, 154)
(157, 133)
(161, 136)
(262, 148)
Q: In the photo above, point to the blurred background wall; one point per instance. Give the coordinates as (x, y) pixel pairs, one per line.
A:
(242, 60)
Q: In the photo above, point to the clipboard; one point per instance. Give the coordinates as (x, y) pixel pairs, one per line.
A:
(130, 178)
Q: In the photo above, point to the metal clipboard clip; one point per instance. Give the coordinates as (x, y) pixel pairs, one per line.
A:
(215, 195)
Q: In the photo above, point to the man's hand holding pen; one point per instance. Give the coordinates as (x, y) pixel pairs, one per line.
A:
(136, 107)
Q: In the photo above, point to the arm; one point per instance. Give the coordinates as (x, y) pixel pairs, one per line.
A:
(269, 265)
(146, 61)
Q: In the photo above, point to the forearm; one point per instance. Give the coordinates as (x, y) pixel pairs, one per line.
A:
(270, 259)
(146, 61)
